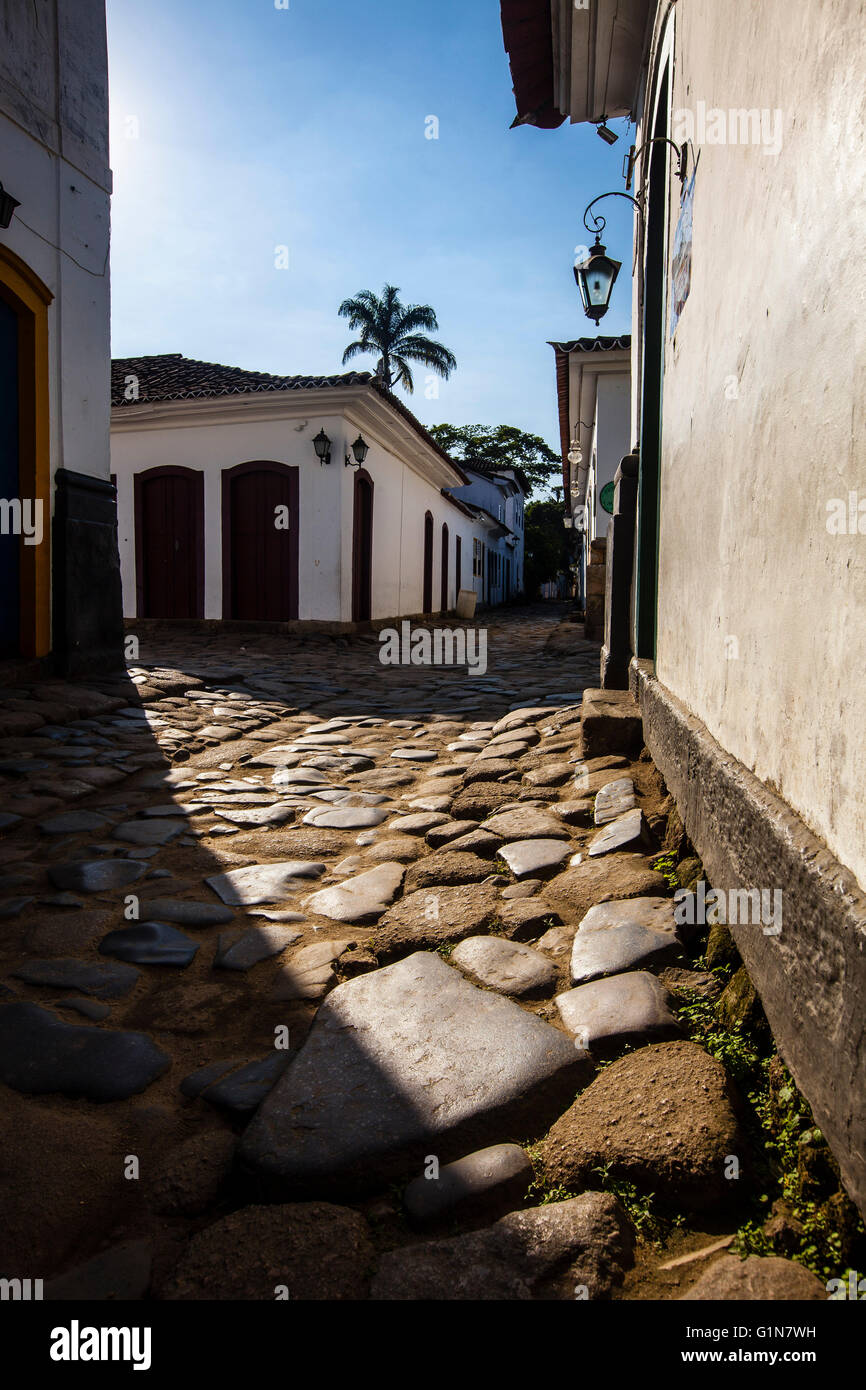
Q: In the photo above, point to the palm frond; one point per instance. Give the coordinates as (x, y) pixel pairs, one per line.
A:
(357, 348)
(430, 353)
(403, 376)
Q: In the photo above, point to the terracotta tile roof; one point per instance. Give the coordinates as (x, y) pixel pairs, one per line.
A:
(170, 376)
(601, 343)
(527, 33)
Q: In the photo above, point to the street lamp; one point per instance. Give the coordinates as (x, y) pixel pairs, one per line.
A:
(8, 204)
(595, 278)
(322, 446)
(360, 449)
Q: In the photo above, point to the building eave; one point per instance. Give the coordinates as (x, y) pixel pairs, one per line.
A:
(372, 410)
(582, 64)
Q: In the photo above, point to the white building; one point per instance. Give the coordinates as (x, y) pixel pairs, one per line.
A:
(227, 511)
(496, 499)
(59, 579)
(593, 382)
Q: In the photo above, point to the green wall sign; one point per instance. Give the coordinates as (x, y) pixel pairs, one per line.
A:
(606, 497)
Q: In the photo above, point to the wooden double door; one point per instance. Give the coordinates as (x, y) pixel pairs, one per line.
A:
(259, 542)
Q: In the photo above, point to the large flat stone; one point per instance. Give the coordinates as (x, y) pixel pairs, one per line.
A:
(150, 943)
(100, 980)
(627, 832)
(620, 936)
(614, 799)
(406, 1061)
(188, 914)
(347, 817)
(263, 883)
(529, 857)
(148, 832)
(241, 950)
(361, 898)
(629, 1008)
(547, 1252)
(528, 824)
(39, 1054)
(504, 965)
(96, 875)
(258, 815)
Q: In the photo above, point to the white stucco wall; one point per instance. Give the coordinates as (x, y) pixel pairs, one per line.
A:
(54, 142)
(762, 629)
(612, 434)
(401, 497)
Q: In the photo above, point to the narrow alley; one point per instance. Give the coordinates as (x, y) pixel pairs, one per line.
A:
(311, 929)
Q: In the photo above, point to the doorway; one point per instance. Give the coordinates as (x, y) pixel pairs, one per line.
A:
(362, 549)
(169, 543)
(427, 601)
(260, 542)
(25, 469)
(443, 588)
(652, 383)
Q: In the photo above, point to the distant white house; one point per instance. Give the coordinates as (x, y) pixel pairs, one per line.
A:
(496, 498)
(247, 496)
(593, 380)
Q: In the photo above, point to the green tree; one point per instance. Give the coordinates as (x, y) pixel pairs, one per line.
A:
(389, 328)
(548, 545)
(500, 446)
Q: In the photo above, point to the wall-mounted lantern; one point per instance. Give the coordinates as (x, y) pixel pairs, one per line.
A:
(595, 278)
(8, 204)
(322, 446)
(360, 449)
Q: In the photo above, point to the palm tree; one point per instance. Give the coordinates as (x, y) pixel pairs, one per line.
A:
(390, 329)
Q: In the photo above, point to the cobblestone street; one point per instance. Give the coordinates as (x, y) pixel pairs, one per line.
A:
(285, 929)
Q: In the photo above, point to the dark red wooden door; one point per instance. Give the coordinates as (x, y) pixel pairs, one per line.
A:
(443, 588)
(428, 564)
(169, 543)
(260, 542)
(362, 549)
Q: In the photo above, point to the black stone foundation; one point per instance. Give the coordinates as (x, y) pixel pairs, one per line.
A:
(87, 612)
(811, 977)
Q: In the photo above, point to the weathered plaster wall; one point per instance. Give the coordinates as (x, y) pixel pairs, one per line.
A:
(762, 623)
(54, 142)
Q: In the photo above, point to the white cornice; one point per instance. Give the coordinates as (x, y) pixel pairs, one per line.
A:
(361, 406)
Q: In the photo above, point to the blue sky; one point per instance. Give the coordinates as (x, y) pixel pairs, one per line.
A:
(238, 128)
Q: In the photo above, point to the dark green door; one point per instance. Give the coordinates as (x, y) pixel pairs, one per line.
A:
(646, 599)
(10, 571)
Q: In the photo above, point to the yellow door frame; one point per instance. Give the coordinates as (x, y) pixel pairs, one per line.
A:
(29, 299)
